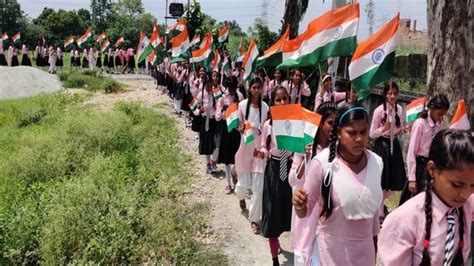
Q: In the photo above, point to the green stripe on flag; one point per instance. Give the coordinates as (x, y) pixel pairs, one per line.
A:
(288, 143)
(412, 117)
(308, 139)
(365, 82)
(232, 125)
(273, 60)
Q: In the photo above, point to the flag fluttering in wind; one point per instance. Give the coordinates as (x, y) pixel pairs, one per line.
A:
(223, 34)
(153, 59)
(144, 48)
(85, 39)
(460, 120)
(69, 44)
(216, 61)
(180, 47)
(16, 38)
(242, 51)
(119, 41)
(203, 54)
(207, 38)
(374, 59)
(105, 46)
(194, 106)
(250, 60)
(273, 55)
(5, 36)
(155, 39)
(232, 117)
(414, 109)
(289, 127)
(248, 133)
(332, 34)
(311, 125)
(100, 37)
(196, 39)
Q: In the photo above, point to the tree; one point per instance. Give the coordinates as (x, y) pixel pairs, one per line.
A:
(450, 52)
(101, 11)
(194, 18)
(294, 12)
(131, 8)
(12, 14)
(85, 15)
(262, 34)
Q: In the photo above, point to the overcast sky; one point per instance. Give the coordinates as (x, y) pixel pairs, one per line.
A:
(245, 11)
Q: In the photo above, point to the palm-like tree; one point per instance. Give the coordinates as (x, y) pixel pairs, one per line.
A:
(294, 12)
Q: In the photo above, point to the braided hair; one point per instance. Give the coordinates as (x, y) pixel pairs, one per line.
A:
(388, 86)
(450, 149)
(325, 110)
(247, 109)
(297, 99)
(439, 101)
(231, 83)
(274, 92)
(347, 114)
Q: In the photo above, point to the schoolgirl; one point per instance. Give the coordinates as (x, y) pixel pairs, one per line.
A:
(181, 78)
(229, 141)
(303, 230)
(85, 58)
(52, 60)
(111, 63)
(92, 58)
(59, 54)
(422, 133)
(25, 59)
(326, 93)
(38, 55)
(385, 128)
(45, 54)
(351, 95)
(260, 72)
(433, 228)
(131, 60)
(296, 87)
(276, 210)
(272, 84)
(196, 87)
(248, 166)
(106, 61)
(207, 144)
(344, 181)
(13, 55)
(98, 64)
(220, 126)
(117, 61)
(3, 60)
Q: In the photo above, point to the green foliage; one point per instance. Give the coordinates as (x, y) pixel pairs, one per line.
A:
(87, 187)
(194, 19)
(61, 23)
(263, 36)
(100, 14)
(11, 16)
(409, 49)
(88, 79)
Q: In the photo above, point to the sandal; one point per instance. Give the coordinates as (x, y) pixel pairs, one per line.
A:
(242, 204)
(255, 228)
(228, 190)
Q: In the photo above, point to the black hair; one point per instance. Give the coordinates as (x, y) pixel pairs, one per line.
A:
(232, 83)
(247, 110)
(439, 101)
(290, 86)
(450, 149)
(274, 92)
(346, 114)
(325, 110)
(386, 87)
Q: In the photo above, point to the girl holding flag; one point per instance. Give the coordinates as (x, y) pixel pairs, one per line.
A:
(272, 84)
(433, 228)
(226, 112)
(422, 133)
(253, 112)
(196, 87)
(326, 94)
(217, 92)
(25, 59)
(296, 87)
(344, 183)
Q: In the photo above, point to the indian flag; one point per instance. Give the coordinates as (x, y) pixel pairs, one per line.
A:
(225, 64)
(153, 59)
(100, 37)
(217, 93)
(232, 117)
(216, 61)
(180, 47)
(223, 34)
(242, 51)
(289, 127)
(273, 55)
(16, 38)
(119, 41)
(250, 59)
(460, 120)
(69, 43)
(5, 36)
(85, 38)
(105, 46)
(332, 34)
(414, 109)
(196, 39)
(207, 38)
(194, 106)
(248, 133)
(155, 39)
(374, 58)
(311, 125)
(203, 53)
(144, 48)
(179, 26)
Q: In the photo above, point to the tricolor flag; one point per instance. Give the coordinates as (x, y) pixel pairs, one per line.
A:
(119, 41)
(16, 38)
(155, 39)
(207, 38)
(232, 117)
(460, 120)
(217, 93)
(414, 109)
(177, 28)
(273, 55)
(223, 34)
(100, 37)
(225, 64)
(69, 43)
(216, 61)
(85, 38)
(374, 58)
(180, 47)
(250, 59)
(242, 51)
(248, 133)
(144, 48)
(196, 40)
(311, 125)
(194, 106)
(105, 46)
(289, 127)
(153, 59)
(5, 36)
(332, 34)
(203, 54)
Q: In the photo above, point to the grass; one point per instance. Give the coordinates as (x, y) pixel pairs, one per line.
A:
(88, 79)
(78, 186)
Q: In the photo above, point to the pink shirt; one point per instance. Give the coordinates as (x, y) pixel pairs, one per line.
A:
(226, 101)
(59, 52)
(376, 127)
(183, 74)
(130, 52)
(271, 149)
(296, 90)
(197, 86)
(341, 241)
(401, 239)
(206, 100)
(270, 86)
(328, 97)
(420, 142)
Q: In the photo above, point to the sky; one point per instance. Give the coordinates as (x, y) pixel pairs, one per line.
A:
(246, 11)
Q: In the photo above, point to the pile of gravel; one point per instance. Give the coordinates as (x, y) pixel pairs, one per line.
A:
(22, 81)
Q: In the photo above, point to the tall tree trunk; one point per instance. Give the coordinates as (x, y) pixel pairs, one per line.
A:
(451, 52)
(294, 12)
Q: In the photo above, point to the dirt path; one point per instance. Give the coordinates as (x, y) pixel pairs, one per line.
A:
(229, 229)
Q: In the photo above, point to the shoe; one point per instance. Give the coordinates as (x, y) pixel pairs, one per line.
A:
(242, 205)
(255, 228)
(228, 190)
(275, 261)
(214, 167)
(209, 168)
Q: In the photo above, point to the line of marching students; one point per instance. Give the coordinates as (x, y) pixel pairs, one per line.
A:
(332, 197)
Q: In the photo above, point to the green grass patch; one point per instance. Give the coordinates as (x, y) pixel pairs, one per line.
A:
(92, 80)
(86, 187)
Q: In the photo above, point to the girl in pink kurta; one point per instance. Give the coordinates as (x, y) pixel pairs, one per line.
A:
(433, 228)
(422, 132)
(272, 84)
(303, 230)
(296, 87)
(249, 167)
(344, 182)
(326, 93)
(3, 60)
